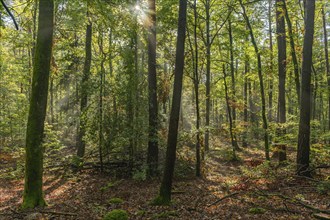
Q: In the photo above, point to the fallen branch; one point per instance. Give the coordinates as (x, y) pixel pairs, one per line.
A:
(293, 200)
(223, 198)
(321, 216)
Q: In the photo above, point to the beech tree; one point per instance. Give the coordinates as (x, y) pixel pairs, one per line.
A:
(33, 194)
(152, 91)
(261, 82)
(85, 88)
(303, 152)
(281, 47)
(166, 185)
(326, 54)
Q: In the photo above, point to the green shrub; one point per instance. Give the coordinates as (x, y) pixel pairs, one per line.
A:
(116, 214)
(115, 201)
(140, 174)
(324, 187)
(76, 161)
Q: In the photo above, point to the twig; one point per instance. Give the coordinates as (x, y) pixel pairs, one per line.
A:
(225, 197)
(308, 178)
(321, 216)
(10, 14)
(296, 201)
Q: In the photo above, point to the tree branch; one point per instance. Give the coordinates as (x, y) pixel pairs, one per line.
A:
(10, 14)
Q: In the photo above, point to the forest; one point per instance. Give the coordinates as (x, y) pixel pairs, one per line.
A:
(145, 109)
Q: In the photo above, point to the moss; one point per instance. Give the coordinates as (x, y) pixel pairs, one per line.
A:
(160, 201)
(115, 201)
(33, 201)
(257, 210)
(141, 213)
(116, 214)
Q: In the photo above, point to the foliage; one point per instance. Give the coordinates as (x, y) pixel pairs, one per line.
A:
(116, 214)
(115, 201)
(110, 185)
(140, 174)
(324, 187)
(264, 170)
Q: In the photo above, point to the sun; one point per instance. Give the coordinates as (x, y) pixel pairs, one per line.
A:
(137, 8)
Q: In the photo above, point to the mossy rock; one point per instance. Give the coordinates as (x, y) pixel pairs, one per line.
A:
(115, 201)
(116, 214)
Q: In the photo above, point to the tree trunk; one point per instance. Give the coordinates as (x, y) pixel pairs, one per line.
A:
(232, 73)
(245, 98)
(196, 87)
(152, 159)
(326, 53)
(271, 66)
(166, 185)
(232, 136)
(262, 91)
(281, 58)
(208, 76)
(33, 195)
(101, 95)
(305, 103)
(84, 89)
(52, 119)
(293, 51)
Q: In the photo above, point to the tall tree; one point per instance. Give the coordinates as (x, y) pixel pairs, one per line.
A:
(326, 53)
(33, 195)
(245, 97)
(152, 89)
(101, 97)
(232, 116)
(305, 102)
(232, 137)
(271, 66)
(262, 91)
(166, 185)
(208, 43)
(281, 58)
(84, 87)
(293, 51)
(196, 87)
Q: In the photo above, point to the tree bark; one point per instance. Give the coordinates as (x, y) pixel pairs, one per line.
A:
(233, 86)
(293, 51)
(281, 58)
(152, 159)
(166, 185)
(326, 53)
(232, 136)
(196, 87)
(245, 98)
(33, 195)
(208, 76)
(84, 89)
(305, 103)
(271, 64)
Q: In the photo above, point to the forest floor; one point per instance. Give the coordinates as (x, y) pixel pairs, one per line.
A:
(243, 189)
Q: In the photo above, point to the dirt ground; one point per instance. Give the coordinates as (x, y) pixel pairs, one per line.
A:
(244, 189)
